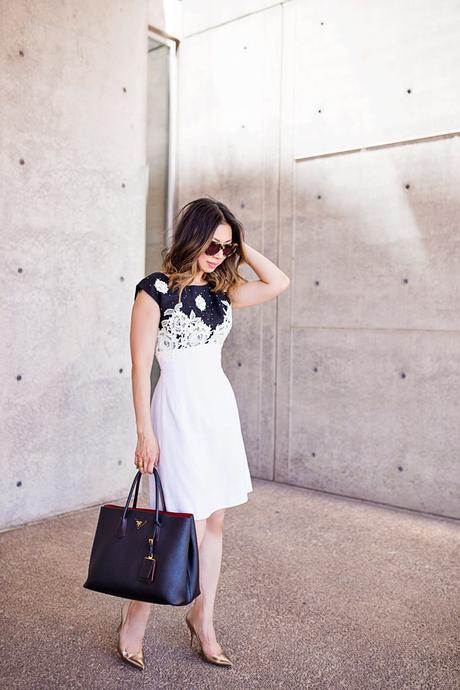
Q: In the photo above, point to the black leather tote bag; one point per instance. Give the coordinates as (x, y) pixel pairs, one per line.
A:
(145, 553)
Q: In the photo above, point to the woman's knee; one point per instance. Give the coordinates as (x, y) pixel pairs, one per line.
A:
(215, 521)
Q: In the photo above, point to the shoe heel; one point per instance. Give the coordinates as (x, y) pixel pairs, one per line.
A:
(192, 631)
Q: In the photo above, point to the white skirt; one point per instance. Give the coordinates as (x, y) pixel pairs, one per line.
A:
(203, 465)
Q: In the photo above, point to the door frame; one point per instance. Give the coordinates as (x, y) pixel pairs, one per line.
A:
(172, 44)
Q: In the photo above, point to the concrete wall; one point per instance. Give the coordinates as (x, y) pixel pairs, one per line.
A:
(327, 130)
(330, 131)
(73, 78)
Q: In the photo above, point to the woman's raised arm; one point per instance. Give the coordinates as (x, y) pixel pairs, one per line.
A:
(272, 281)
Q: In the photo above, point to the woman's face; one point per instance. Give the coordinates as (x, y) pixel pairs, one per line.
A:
(222, 234)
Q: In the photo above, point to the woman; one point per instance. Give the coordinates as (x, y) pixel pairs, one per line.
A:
(191, 431)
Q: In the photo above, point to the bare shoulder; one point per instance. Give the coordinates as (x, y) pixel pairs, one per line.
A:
(253, 292)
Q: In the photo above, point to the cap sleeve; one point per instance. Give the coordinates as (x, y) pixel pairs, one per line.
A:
(154, 285)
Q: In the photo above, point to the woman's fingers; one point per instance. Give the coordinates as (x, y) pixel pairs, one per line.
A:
(155, 461)
(138, 461)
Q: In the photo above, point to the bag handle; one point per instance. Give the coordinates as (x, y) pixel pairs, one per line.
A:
(137, 492)
(121, 529)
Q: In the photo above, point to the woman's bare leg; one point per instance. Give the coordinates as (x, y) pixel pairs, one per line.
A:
(210, 546)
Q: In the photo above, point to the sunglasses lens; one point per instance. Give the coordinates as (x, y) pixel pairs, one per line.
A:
(212, 249)
(215, 247)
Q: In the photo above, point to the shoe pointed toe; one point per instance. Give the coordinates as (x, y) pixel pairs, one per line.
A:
(134, 658)
(221, 659)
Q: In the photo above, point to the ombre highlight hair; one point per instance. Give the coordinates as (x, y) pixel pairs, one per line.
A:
(194, 227)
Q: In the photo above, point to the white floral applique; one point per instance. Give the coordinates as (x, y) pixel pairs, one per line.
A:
(222, 329)
(200, 302)
(161, 286)
(180, 330)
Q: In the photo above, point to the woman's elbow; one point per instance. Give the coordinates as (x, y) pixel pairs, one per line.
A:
(285, 281)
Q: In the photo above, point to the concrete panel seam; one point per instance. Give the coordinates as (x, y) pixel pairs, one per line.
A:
(368, 501)
(373, 329)
(235, 19)
(278, 247)
(376, 147)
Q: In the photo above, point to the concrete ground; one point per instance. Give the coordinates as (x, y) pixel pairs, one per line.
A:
(316, 591)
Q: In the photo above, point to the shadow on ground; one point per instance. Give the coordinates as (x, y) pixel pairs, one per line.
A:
(316, 591)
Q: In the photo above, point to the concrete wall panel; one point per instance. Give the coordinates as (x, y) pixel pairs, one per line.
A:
(228, 148)
(356, 62)
(73, 230)
(377, 418)
(368, 233)
(78, 58)
(374, 414)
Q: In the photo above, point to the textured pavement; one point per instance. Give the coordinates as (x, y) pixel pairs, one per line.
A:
(316, 591)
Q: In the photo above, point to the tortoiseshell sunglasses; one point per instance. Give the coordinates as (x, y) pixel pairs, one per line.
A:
(214, 247)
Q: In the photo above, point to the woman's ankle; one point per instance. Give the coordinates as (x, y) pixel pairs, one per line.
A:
(201, 615)
(137, 617)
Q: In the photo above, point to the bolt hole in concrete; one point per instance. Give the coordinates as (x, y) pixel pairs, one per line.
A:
(21, 161)
(18, 377)
(19, 270)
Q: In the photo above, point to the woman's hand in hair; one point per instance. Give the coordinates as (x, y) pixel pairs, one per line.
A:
(271, 283)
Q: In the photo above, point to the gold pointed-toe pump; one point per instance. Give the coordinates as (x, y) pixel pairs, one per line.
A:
(134, 658)
(220, 659)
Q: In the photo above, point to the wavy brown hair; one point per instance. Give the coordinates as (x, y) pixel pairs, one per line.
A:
(194, 227)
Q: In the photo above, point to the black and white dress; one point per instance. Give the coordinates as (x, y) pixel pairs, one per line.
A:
(203, 464)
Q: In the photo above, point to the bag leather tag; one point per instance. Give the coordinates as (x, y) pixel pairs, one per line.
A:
(147, 569)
